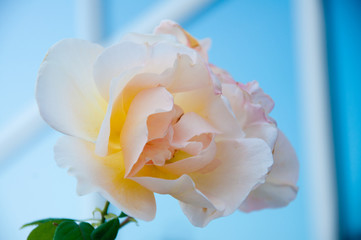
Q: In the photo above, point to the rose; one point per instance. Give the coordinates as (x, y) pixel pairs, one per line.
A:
(151, 115)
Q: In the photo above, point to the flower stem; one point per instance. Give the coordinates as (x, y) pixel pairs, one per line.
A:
(104, 212)
(127, 220)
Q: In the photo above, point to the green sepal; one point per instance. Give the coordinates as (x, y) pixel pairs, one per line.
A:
(122, 215)
(106, 231)
(110, 216)
(97, 210)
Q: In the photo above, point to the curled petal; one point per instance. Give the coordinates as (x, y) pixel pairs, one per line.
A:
(67, 97)
(269, 195)
(258, 96)
(190, 125)
(134, 135)
(244, 164)
(280, 186)
(182, 188)
(173, 28)
(104, 175)
(213, 108)
(266, 131)
(112, 63)
(285, 169)
(194, 163)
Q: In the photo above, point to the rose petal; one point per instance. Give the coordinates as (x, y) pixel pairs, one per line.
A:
(189, 75)
(182, 189)
(173, 28)
(135, 131)
(67, 97)
(269, 195)
(108, 140)
(104, 175)
(280, 186)
(223, 75)
(192, 164)
(190, 125)
(220, 115)
(213, 108)
(200, 217)
(116, 60)
(266, 131)
(258, 96)
(244, 164)
(285, 169)
(159, 124)
(246, 111)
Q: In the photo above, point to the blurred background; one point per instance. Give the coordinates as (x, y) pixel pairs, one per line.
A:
(306, 54)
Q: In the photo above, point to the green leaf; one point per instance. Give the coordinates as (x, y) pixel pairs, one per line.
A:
(70, 230)
(56, 221)
(45, 231)
(106, 231)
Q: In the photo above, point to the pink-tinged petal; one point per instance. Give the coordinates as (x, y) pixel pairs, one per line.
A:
(104, 175)
(159, 124)
(223, 75)
(182, 188)
(285, 169)
(258, 96)
(280, 186)
(245, 110)
(213, 108)
(199, 217)
(134, 135)
(192, 164)
(189, 75)
(244, 164)
(190, 125)
(67, 97)
(192, 148)
(220, 115)
(266, 131)
(269, 195)
(173, 28)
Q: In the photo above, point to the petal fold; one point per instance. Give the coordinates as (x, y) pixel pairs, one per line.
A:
(67, 96)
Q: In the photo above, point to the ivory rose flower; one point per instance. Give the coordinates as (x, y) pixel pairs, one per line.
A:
(150, 115)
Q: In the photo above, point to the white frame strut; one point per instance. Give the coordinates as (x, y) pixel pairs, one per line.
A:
(316, 116)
